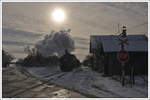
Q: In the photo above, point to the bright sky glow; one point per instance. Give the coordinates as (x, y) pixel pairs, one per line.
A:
(58, 15)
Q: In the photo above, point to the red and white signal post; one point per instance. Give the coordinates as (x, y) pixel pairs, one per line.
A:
(123, 55)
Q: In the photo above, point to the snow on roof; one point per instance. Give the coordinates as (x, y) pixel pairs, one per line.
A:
(110, 43)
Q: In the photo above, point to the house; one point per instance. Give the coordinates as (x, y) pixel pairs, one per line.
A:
(105, 48)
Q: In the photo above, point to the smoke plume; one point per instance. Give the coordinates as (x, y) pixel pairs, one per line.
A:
(56, 43)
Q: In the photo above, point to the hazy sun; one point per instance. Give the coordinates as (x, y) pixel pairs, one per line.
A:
(58, 15)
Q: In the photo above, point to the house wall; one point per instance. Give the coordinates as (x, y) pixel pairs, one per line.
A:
(98, 62)
(137, 59)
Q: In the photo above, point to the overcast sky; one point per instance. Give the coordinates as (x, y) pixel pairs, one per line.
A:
(27, 23)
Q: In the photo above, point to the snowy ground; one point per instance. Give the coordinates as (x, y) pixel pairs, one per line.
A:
(91, 83)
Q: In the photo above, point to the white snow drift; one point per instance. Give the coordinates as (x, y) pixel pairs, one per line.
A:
(89, 82)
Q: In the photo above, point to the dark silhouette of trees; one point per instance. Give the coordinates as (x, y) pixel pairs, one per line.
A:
(88, 61)
(6, 58)
(34, 58)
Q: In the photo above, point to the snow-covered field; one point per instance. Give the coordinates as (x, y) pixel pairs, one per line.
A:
(89, 82)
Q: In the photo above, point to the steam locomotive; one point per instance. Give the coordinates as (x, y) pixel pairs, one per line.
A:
(68, 62)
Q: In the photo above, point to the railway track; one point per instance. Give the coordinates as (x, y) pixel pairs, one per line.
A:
(15, 84)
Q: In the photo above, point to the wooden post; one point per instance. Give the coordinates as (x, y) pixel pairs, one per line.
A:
(132, 70)
(123, 74)
(123, 67)
(131, 76)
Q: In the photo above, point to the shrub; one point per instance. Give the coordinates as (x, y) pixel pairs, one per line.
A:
(88, 61)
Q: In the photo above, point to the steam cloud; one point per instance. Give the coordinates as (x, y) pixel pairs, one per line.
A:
(56, 43)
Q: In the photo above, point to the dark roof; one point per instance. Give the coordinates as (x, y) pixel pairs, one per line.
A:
(110, 43)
